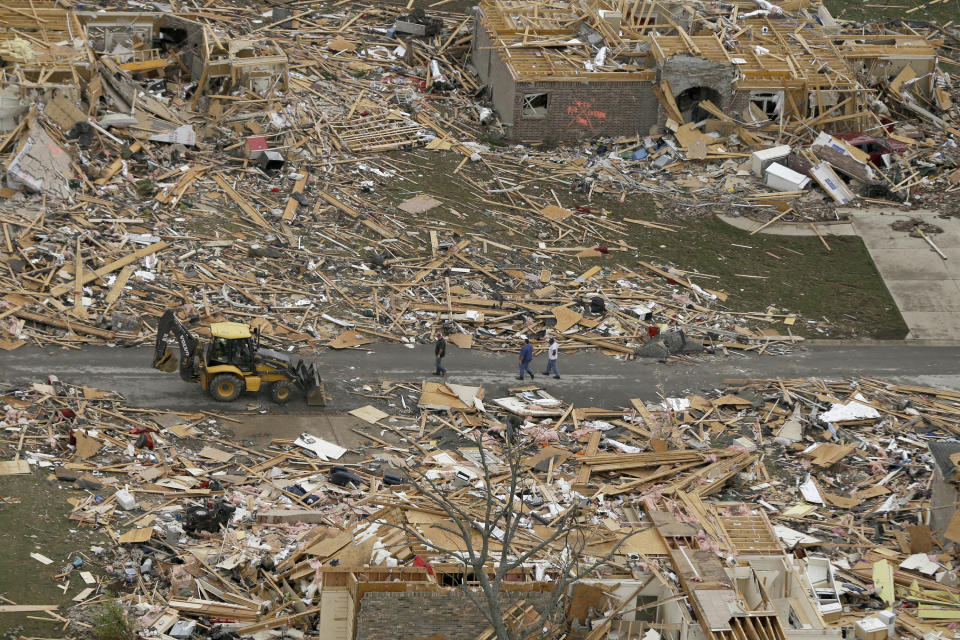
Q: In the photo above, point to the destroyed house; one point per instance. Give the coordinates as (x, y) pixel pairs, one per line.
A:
(559, 72)
(214, 59)
(688, 589)
(51, 49)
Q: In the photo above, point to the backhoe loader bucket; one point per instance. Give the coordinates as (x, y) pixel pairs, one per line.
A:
(166, 362)
(313, 389)
(317, 396)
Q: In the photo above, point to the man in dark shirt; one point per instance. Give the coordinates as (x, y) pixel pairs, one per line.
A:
(526, 357)
(439, 351)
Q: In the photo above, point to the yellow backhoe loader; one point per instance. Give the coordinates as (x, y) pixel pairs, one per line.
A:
(233, 362)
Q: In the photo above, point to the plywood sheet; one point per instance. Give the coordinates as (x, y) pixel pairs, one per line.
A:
(566, 318)
(349, 338)
(555, 213)
(369, 413)
(329, 546)
(217, 455)
(440, 397)
(462, 340)
(336, 612)
(14, 467)
(419, 204)
(137, 535)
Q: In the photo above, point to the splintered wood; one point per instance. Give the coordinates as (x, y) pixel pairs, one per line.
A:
(696, 485)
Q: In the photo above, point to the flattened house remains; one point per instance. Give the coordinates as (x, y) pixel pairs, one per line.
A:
(54, 49)
(756, 593)
(567, 71)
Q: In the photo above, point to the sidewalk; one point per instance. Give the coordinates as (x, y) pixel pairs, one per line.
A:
(925, 287)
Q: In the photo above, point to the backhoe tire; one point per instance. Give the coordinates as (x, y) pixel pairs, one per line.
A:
(281, 391)
(225, 387)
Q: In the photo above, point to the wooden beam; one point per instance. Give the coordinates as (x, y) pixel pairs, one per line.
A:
(241, 202)
(90, 276)
(292, 203)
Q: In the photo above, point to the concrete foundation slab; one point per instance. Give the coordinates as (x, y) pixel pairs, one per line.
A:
(913, 263)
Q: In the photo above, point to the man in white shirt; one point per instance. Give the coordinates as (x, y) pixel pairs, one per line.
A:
(552, 352)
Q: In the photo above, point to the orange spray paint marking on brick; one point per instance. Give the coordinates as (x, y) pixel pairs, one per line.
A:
(584, 114)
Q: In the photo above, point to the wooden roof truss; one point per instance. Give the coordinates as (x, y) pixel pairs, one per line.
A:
(541, 41)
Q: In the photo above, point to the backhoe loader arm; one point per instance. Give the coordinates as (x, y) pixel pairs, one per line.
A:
(309, 379)
(187, 344)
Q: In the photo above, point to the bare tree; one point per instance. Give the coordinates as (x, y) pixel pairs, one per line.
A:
(499, 517)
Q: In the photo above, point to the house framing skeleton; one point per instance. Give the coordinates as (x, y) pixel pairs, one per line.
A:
(57, 48)
(685, 588)
(565, 71)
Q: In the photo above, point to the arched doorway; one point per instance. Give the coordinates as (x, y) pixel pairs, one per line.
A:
(688, 101)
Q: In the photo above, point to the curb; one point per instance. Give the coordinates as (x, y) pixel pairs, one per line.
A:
(790, 228)
(866, 342)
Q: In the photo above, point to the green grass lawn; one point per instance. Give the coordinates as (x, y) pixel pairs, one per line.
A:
(939, 11)
(797, 274)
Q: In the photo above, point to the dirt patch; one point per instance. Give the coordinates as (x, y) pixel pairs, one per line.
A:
(260, 430)
(914, 226)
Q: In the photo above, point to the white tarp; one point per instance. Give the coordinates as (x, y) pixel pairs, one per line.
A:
(323, 449)
(852, 410)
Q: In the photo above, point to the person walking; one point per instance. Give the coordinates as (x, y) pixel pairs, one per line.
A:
(552, 352)
(439, 351)
(526, 357)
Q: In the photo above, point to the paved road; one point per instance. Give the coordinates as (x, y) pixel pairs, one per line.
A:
(589, 379)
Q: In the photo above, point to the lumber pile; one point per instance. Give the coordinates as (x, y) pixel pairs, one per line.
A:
(293, 194)
(836, 469)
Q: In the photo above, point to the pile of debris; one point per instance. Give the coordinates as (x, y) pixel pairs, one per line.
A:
(803, 506)
(246, 164)
(782, 94)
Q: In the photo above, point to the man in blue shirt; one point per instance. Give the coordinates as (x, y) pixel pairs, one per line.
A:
(526, 357)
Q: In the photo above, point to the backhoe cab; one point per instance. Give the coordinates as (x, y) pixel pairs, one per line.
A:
(232, 362)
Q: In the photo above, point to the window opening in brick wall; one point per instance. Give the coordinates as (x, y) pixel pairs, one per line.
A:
(535, 105)
(770, 102)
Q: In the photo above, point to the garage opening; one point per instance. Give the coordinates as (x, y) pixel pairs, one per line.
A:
(688, 101)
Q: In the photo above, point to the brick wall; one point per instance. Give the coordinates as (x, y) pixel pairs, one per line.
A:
(411, 615)
(582, 110)
(739, 102)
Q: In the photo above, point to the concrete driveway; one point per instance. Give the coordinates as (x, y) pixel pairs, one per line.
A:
(925, 287)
